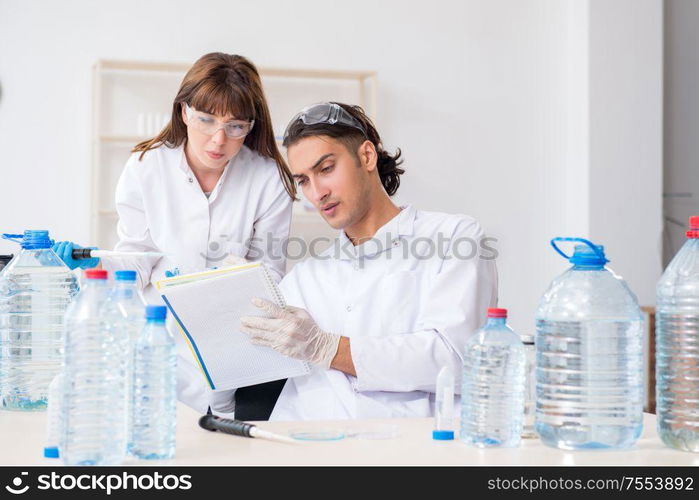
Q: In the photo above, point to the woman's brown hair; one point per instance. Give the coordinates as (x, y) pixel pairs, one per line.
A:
(223, 84)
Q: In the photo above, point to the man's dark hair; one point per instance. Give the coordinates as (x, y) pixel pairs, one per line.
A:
(387, 165)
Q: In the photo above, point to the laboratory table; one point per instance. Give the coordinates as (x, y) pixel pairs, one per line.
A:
(22, 438)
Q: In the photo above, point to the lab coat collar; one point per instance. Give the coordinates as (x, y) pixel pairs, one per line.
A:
(184, 166)
(388, 236)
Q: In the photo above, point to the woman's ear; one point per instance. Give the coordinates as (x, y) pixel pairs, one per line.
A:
(183, 110)
(367, 155)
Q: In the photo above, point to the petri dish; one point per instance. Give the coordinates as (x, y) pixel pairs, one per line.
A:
(308, 434)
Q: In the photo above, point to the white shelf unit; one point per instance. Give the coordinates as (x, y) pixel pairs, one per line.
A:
(132, 98)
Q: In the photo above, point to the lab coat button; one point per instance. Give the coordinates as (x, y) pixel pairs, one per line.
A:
(349, 308)
(396, 242)
(190, 180)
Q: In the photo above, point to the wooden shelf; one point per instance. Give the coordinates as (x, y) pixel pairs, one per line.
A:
(311, 216)
(165, 67)
(143, 66)
(296, 216)
(650, 345)
(312, 73)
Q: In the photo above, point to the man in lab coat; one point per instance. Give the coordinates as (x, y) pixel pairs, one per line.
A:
(391, 302)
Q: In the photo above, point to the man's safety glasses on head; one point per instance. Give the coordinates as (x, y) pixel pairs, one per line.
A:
(325, 112)
(207, 124)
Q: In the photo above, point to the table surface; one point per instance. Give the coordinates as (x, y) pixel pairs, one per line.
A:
(22, 440)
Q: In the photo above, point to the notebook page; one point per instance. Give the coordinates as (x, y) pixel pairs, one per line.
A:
(203, 275)
(210, 311)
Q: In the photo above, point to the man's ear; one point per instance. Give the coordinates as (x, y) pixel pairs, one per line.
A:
(367, 155)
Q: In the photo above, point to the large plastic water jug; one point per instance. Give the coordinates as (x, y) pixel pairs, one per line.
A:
(589, 345)
(35, 290)
(677, 347)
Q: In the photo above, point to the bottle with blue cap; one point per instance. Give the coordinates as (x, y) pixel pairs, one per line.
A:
(123, 312)
(35, 290)
(54, 417)
(589, 345)
(444, 405)
(126, 303)
(155, 389)
(493, 385)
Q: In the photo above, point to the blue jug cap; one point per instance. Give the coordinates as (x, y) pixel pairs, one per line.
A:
(125, 275)
(156, 312)
(442, 435)
(586, 254)
(31, 239)
(51, 452)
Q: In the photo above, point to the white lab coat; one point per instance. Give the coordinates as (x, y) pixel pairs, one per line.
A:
(406, 314)
(162, 207)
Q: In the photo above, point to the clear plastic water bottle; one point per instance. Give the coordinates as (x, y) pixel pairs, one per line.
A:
(94, 396)
(492, 395)
(126, 301)
(589, 344)
(155, 389)
(444, 405)
(123, 311)
(54, 422)
(677, 347)
(35, 290)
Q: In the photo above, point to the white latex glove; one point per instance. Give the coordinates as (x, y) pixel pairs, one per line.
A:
(292, 332)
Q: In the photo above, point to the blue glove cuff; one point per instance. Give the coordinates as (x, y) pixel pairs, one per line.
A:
(88, 263)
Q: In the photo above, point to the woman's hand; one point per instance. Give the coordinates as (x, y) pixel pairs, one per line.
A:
(64, 249)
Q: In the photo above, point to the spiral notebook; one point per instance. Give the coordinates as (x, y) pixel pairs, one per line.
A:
(208, 306)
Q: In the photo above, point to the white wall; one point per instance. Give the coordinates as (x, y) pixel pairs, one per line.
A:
(681, 151)
(625, 134)
(491, 102)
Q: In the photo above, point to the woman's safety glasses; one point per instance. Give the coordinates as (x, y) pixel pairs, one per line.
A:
(207, 124)
(325, 112)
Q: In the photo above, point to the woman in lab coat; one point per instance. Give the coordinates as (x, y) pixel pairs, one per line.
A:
(211, 188)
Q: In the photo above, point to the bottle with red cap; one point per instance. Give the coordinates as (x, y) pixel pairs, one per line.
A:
(493, 385)
(677, 347)
(94, 409)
